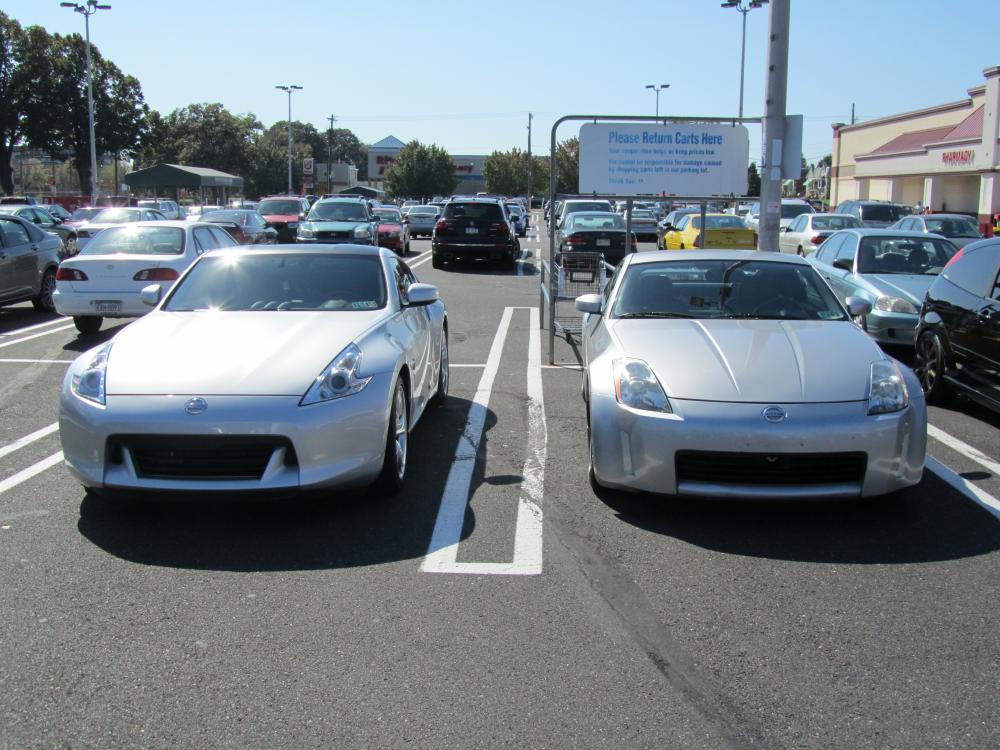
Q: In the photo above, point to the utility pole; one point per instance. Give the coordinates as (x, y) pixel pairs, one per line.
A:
(774, 126)
(852, 113)
(531, 182)
(329, 155)
(288, 90)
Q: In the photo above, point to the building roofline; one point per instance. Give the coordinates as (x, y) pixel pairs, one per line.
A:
(962, 103)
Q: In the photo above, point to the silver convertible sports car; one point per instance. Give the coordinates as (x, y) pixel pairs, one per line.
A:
(270, 370)
(740, 375)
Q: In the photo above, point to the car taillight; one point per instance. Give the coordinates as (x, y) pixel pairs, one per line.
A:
(817, 239)
(576, 239)
(156, 274)
(70, 274)
(441, 224)
(500, 227)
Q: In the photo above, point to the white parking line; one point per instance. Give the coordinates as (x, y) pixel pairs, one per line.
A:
(25, 474)
(965, 449)
(19, 331)
(35, 336)
(975, 494)
(453, 364)
(442, 553)
(420, 259)
(28, 439)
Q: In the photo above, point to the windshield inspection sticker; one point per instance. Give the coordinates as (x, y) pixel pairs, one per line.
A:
(364, 305)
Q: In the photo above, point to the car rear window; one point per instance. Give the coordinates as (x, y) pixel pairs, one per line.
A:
(423, 211)
(719, 222)
(574, 206)
(596, 221)
(117, 215)
(791, 210)
(237, 217)
(137, 241)
(473, 211)
(904, 255)
(280, 207)
(880, 213)
(835, 222)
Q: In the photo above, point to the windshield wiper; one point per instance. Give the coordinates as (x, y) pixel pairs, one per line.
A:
(656, 315)
(754, 316)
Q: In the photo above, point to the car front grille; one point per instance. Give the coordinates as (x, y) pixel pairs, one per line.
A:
(333, 235)
(199, 456)
(770, 468)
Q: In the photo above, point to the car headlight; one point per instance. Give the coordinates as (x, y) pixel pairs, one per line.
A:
(887, 391)
(886, 303)
(293, 224)
(90, 383)
(363, 231)
(305, 232)
(339, 378)
(637, 387)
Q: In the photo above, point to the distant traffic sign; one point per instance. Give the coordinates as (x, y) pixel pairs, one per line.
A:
(307, 165)
(688, 158)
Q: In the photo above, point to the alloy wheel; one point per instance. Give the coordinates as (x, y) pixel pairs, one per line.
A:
(929, 361)
(401, 437)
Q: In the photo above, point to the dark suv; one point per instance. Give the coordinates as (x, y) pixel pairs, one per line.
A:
(876, 214)
(474, 228)
(958, 337)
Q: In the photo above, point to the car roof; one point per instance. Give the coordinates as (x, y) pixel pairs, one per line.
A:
(939, 216)
(318, 249)
(685, 255)
(343, 199)
(875, 232)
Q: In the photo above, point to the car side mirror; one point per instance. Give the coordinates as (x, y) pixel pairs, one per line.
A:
(150, 295)
(668, 226)
(857, 306)
(589, 303)
(844, 264)
(422, 294)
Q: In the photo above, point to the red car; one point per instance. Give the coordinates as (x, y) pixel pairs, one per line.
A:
(283, 213)
(392, 232)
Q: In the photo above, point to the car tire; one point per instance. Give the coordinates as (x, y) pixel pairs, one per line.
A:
(87, 325)
(930, 367)
(390, 479)
(436, 261)
(511, 262)
(444, 374)
(43, 302)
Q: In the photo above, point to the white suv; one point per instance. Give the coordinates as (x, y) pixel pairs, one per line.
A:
(790, 208)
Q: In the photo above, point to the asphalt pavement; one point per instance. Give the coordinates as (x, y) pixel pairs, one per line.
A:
(496, 602)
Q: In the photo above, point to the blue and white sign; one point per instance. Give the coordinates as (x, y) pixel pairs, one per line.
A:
(686, 159)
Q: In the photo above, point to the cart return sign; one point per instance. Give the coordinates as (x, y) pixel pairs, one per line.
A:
(673, 159)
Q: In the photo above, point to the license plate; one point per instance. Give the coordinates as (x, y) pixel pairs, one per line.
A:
(471, 230)
(107, 307)
(604, 243)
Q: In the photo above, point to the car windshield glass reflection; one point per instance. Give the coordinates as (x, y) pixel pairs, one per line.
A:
(952, 228)
(392, 217)
(596, 221)
(283, 207)
(238, 217)
(117, 215)
(747, 289)
(791, 210)
(337, 212)
(137, 241)
(276, 282)
(834, 222)
(903, 255)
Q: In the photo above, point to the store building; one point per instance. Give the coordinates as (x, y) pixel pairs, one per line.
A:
(468, 168)
(944, 158)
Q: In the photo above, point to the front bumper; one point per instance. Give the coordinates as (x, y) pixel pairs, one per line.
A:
(892, 328)
(336, 444)
(637, 450)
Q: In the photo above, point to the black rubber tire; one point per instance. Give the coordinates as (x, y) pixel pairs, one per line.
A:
(391, 478)
(930, 366)
(43, 302)
(87, 325)
(436, 261)
(444, 374)
(511, 263)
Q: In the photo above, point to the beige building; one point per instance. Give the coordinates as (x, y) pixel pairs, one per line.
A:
(944, 157)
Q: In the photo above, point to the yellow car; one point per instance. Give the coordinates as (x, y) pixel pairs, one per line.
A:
(725, 232)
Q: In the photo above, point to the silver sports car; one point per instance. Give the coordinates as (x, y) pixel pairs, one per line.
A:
(739, 375)
(281, 369)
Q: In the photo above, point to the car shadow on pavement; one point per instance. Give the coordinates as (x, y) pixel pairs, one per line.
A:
(13, 318)
(83, 343)
(342, 530)
(930, 522)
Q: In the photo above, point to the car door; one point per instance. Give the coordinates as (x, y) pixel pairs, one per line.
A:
(788, 241)
(414, 334)
(845, 283)
(980, 336)
(20, 259)
(204, 240)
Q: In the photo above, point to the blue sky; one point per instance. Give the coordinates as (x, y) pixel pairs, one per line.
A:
(464, 74)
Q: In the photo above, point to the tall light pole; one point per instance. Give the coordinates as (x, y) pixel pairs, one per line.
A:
(88, 9)
(743, 9)
(289, 89)
(658, 89)
(329, 154)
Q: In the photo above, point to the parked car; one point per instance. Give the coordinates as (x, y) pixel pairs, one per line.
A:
(808, 231)
(29, 258)
(736, 374)
(45, 221)
(245, 226)
(790, 208)
(194, 213)
(169, 209)
(340, 378)
(518, 217)
(570, 206)
(722, 231)
(393, 232)
(18, 200)
(83, 215)
(875, 214)
(958, 228)
(112, 217)
(474, 228)
(958, 338)
(888, 269)
(58, 211)
(284, 213)
(421, 220)
(644, 224)
(339, 221)
(595, 232)
(669, 222)
(107, 277)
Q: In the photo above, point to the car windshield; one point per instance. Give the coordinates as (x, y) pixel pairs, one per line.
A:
(719, 222)
(285, 207)
(389, 215)
(270, 282)
(588, 206)
(953, 227)
(596, 221)
(745, 289)
(85, 214)
(238, 217)
(791, 210)
(903, 255)
(116, 215)
(137, 241)
(423, 211)
(338, 211)
(514, 208)
(835, 222)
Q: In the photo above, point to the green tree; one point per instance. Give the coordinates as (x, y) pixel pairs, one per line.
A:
(753, 180)
(568, 166)
(421, 172)
(506, 173)
(347, 148)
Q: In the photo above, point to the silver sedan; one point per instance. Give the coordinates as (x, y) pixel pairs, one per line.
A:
(728, 374)
(266, 370)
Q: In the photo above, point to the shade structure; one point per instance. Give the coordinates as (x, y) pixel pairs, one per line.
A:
(173, 176)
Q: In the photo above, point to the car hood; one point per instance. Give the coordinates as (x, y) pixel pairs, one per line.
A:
(281, 217)
(334, 226)
(911, 287)
(251, 353)
(753, 361)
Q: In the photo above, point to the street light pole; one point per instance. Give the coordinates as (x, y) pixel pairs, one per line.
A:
(289, 89)
(743, 9)
(329, 155)
(87, 10)
(658, 89)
